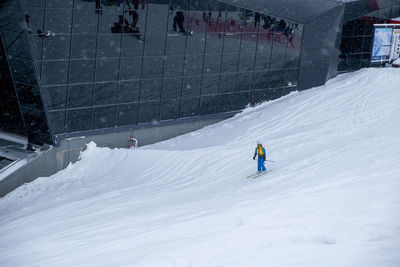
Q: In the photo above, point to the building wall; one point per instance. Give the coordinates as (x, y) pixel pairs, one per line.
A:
(357, 38)
(98, 71)
(22, 71)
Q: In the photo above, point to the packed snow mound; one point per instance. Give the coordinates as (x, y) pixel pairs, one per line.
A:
(330, 199)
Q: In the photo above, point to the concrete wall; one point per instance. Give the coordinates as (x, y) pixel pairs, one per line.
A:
(68, 150)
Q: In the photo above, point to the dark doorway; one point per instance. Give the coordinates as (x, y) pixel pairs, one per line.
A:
(10, 115)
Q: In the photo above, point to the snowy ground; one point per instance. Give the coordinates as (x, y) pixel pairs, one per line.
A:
(331, 199)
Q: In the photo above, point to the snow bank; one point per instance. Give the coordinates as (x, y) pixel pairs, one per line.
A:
(331, 198)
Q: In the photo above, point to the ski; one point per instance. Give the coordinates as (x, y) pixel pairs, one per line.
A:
(257, 174)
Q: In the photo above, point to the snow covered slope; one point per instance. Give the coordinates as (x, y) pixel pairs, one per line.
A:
(332, 198)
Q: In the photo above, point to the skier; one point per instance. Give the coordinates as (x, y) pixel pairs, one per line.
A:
(260, 151)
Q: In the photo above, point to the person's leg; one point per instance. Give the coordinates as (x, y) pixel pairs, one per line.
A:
(263, 166)
(260, 161)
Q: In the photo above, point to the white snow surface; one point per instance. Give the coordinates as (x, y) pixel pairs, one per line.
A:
(331, 199)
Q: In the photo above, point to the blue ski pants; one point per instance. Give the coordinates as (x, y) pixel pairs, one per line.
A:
(261, 166)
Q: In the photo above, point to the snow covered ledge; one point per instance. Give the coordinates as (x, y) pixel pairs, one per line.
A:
(68, 149)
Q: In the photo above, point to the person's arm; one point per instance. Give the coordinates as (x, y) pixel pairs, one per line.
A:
(255, 153)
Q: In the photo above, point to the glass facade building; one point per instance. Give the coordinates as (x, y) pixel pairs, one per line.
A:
(79, 66)
(357, 38)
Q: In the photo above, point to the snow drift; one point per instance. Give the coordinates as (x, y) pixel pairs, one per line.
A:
(330, 199)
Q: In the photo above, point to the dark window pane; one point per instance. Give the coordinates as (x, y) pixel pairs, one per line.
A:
(246, 62)
(151, 90)
(56, 47)
(128, 91)
(276, 79)
(357, 44)
(127, 114)
(36, 46)
(242, 99)
(78, 120)
(191, 86)
(189, 107)
(275, 93)
(57, 121)
(58, 20)
(54, 72)
(130, 68)
(259, 96)
(30, 3)
(249, 42)
(348, 28)
(172, 88)
(35, 123)
(107, 69)
(291, 77)
(208, 104)
(58, 4)
(214, 43)
(85, 21)
(105, 93)
(227, 83)
(230, 63)
(80, 95)
(83, 46)
(154, 44)
(263, 56)
(81, 71)
(16, 44)
(176, 44)
(29, 96)
(131, 46)
(149, 112)
(278, 51)
(23, 70)
(193, 65)
(232, 43)
(174, 66)
(346, 45)
(196, 41)
(157, 18)
(260, 80)
(55, 97)
(103, 117)
(367, 45)
(153, 67)
(210, 84)
(226, 102)
(244, 81)
(359, 27)
(293, 52)
(109, 45)
(170, 109)
(212, 64)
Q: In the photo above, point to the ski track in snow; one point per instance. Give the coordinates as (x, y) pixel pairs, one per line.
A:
(331, 199)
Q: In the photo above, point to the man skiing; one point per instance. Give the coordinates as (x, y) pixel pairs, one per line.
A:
(260, 151)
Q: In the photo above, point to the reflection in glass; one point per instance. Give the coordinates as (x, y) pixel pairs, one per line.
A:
(189, 107)
(78, 120)
(127, 114)
(149, 112)
(103, 117)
